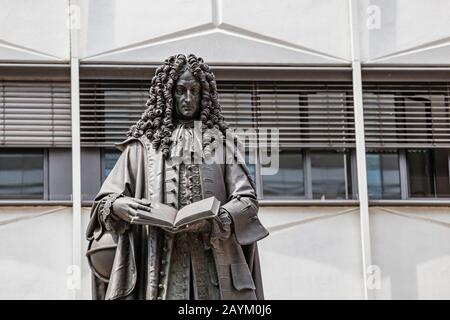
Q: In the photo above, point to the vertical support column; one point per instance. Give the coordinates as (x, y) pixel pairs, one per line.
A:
(362, 174)
(360, 147)
(73, 25)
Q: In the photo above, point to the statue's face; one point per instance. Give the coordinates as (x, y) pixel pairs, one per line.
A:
(187, 96)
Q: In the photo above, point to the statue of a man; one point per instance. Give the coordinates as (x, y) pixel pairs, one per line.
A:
(211, 259)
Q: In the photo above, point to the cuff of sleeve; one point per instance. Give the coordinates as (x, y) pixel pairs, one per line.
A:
(106, 217)
(224, 217)
(246, 225)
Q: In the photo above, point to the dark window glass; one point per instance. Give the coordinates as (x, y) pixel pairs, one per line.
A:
(21, 174)
(251, 165)
(328, 175)
(442, 175)
(428, 173)
(110, 158)
(288, 182)
(383, 176)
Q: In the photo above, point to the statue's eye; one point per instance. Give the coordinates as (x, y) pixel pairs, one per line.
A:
(195, 90)
(180, 90)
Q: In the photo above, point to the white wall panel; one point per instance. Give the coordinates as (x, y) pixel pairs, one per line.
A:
(35, 252)
(410, 31)
(263, 31)
(115, 25)
(316, 26)
(311, 253)
(220, 31)
(34, 30)
(412, 248)
(216, 46)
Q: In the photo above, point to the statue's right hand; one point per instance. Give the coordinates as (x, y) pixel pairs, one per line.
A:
(126, 208)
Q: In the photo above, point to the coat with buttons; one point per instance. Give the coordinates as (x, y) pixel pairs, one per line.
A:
(140, 172)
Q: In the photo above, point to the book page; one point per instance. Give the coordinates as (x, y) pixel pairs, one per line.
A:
(160, 215)
(199, 210)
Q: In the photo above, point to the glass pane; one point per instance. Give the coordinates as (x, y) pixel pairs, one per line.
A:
(383, 176)
(420, 173)
(328, 175)
(251, 165)
(110, 159)
(442, 163)
(21, 174)
(288, 182)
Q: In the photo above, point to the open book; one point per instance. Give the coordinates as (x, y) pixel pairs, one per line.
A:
(162, 215)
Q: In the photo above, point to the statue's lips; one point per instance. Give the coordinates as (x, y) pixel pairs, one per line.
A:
(187, 108)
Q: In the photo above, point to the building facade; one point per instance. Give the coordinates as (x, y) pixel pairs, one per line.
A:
(359, 92)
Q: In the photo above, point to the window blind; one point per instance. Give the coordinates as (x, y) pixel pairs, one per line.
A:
(407, 114)
(305, 113)
(35, 113)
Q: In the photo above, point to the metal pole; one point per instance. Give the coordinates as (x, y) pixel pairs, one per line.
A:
(76, 151)
(360, 147)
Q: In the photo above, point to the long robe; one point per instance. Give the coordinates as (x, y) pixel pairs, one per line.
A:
(141, 172)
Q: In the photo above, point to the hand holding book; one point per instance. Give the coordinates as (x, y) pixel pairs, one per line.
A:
(165, 216)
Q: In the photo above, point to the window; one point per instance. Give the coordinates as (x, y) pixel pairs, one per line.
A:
(110, 157)
(442, 174)
(119, 111)
(414, 118)
(21, 174)
(383, 175)
(406, 114)
(251, 164)
(288, 182)
(40, 107)
(305, 113)
(428, 173)
(329, 177)
(108, 108)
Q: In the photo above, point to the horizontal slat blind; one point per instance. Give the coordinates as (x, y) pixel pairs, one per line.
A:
(108, 109)
(239, 109)
(35, 113)
(407, 114)
(306, 114)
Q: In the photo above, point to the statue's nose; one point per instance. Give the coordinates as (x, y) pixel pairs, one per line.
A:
(188, 97)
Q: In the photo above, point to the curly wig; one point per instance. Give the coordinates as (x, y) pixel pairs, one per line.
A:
(157, 121)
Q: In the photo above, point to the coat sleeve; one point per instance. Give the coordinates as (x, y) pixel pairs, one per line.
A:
(242, 203)
(121, 181)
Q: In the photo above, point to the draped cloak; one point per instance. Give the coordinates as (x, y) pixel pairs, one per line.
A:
(142, 172)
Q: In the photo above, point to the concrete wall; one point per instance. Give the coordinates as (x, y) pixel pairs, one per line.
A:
(298, 260)
(34, 31)
(35, 252)
(411, 245)
(311, 253)
(409, 32)
(234, 32)
(227, 32)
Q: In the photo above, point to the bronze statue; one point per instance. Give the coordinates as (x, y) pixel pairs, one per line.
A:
(210, 259)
